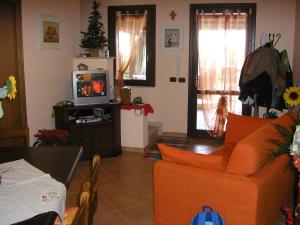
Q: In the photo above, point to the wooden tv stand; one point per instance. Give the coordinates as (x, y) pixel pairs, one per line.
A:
(97, 137)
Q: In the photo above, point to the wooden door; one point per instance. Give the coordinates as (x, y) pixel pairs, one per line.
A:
(11, 63)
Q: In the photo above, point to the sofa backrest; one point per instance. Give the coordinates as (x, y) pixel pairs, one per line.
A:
(251, 152)
(238, 127)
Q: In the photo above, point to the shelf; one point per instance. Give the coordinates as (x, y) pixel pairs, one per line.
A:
(99, 137)
(102, 123)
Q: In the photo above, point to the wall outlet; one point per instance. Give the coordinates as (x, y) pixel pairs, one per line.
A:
(181, 79)
(173, 79)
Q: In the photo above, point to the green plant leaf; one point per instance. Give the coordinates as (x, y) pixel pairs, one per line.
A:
(283, 148)
(298, 119)
(286, 134)
(275, 142)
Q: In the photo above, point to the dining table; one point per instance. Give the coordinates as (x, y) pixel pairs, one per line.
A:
(59, 162)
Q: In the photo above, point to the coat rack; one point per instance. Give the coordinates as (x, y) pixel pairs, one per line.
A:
(272, 38)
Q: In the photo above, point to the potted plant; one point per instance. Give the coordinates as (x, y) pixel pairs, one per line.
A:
(94, 39)
(54, 137)
(290, 145)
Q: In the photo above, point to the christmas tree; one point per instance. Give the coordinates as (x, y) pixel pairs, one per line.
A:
(94, 37)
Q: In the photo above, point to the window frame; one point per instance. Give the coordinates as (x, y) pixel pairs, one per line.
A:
(150, 39)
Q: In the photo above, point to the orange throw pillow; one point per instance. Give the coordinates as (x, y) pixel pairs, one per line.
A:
(175, 155)
(225, 151)
(239, 127)
(250, 153)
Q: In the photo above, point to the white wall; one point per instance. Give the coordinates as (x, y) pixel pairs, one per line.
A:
(170, 100)
(296, 65)
(48, 71)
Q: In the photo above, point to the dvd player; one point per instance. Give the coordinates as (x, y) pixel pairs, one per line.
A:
(88, 119)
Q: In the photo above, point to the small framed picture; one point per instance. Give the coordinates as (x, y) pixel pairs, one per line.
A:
(172, 38)
(50, 32)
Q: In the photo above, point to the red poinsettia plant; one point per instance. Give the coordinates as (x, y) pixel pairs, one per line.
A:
(54, 137)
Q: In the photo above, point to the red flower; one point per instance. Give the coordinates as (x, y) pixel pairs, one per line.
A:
(52, 137)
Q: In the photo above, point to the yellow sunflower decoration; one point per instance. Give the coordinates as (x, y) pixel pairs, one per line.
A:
(292, 96)
(11, 86)
(8, 91)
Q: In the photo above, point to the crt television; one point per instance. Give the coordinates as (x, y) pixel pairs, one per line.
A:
(90, 87)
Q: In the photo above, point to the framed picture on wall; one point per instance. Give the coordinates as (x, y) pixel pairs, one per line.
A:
(50, 32)
(172, 38)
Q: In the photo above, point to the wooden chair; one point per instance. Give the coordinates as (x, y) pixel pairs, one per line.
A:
(78, 215)
(11, 136)
(92, 187)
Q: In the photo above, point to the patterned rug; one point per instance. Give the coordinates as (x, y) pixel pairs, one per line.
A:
(153, 151)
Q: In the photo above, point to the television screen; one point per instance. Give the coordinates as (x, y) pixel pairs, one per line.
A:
(91, 87)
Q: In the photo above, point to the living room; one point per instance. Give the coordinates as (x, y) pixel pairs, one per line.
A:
(47, 72)
(47, 66)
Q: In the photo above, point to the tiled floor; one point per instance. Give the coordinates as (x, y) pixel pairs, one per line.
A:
(125, 188)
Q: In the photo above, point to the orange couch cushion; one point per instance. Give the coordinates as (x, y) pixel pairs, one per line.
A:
(250, 153)
(239, 127)
(175, 155)
(225, 151)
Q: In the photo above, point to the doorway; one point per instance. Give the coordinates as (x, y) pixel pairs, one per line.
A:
(224, 34)
(11, 63)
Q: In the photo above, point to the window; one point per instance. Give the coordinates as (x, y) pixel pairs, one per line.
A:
(137, 44)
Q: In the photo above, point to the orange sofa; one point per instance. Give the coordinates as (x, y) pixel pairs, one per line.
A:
(233, 180)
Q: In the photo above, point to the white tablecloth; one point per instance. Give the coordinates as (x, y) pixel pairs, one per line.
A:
(26, 191)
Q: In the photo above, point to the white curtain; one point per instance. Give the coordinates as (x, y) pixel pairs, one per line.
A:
(129, 33)
(221, 49)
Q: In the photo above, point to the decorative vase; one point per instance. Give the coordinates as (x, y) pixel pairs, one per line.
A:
(94, 52)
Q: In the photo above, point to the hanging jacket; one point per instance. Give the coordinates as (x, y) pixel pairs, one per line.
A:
(287, 68)
(264, 60)
(259, 89)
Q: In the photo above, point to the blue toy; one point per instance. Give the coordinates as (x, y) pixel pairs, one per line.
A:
(207, 216)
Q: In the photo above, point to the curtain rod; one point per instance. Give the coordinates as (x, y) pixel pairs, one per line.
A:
(226, 11)
(133, 14)
(242, 13)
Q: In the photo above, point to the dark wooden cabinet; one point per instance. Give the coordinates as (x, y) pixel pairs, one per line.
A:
(100, 137)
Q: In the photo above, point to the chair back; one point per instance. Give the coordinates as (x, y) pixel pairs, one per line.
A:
(14, 137)
(95, 170)
(82, 215)
(91, 185)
